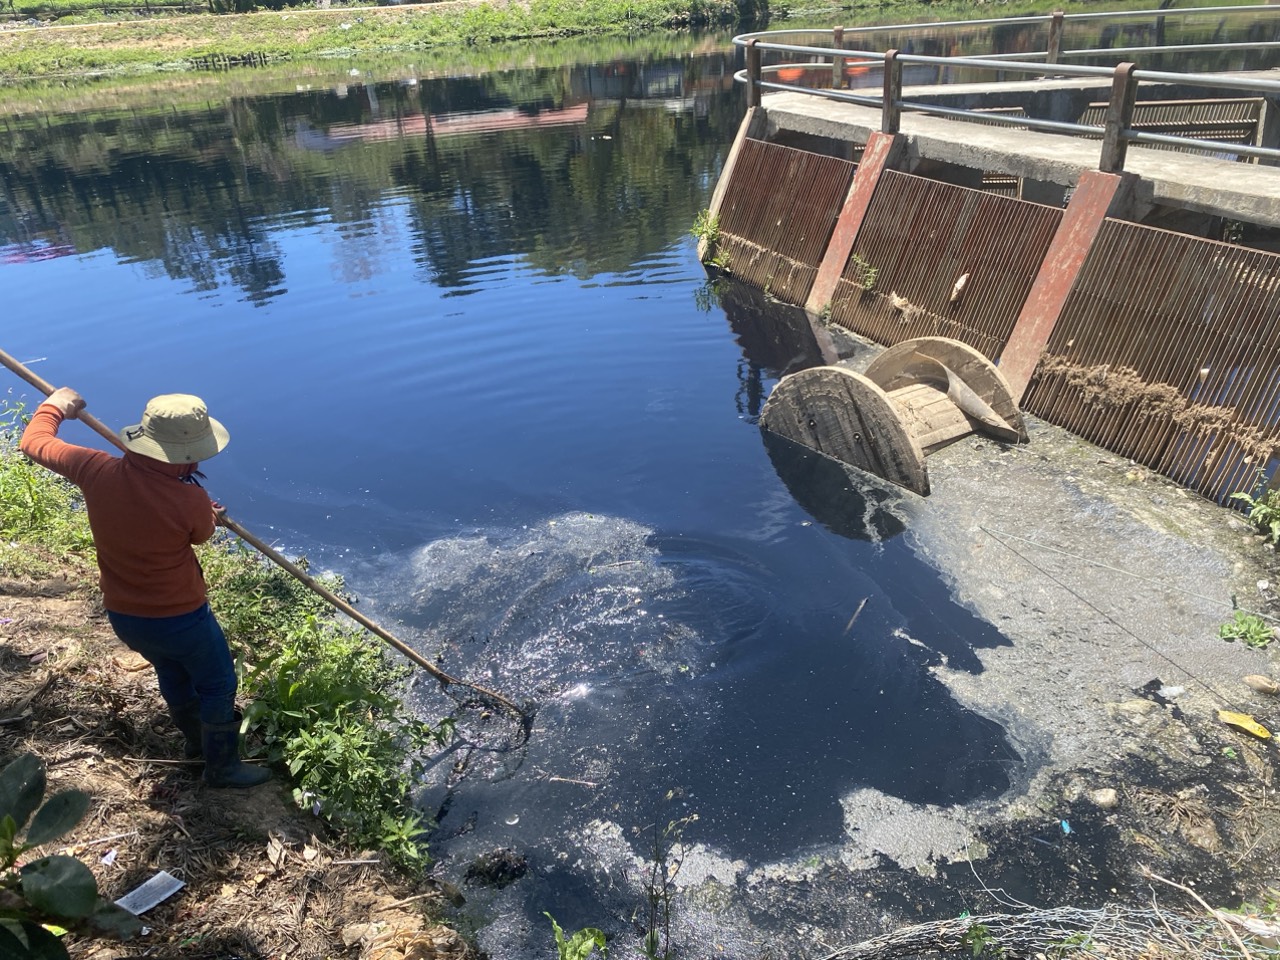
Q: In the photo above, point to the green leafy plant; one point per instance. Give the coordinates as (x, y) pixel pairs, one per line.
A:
(579, 946)
(706, 227)
(329, 707)
(979, 940)
(1249, 628)
(327, 703)
(1264, 512)
(1074, 945)
(50, 890)
(867, 274)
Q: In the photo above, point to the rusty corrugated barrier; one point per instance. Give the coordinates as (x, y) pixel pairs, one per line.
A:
(919, 238)
(780, 207)
(1168, 352)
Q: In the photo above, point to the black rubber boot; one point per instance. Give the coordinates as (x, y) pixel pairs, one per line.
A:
(187, 719)
(222, 766)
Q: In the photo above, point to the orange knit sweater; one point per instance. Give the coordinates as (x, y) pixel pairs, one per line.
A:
(144, 520)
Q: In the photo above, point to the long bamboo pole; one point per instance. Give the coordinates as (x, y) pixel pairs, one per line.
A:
(276, 557)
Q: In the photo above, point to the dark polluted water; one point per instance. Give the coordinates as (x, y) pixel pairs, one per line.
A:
(768, 688)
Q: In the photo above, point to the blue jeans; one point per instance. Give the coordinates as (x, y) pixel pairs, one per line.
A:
(190, 656)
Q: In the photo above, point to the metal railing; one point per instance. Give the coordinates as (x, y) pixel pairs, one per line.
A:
(1117, 131)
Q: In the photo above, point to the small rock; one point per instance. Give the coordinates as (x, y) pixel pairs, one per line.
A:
(1263, 684)
(1106, 798)
(355, 932)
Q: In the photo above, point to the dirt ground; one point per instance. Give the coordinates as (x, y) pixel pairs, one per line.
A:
(262, 878)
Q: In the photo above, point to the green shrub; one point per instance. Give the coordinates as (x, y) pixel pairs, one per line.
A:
(326, 702)
(706, 227)
(36, 505)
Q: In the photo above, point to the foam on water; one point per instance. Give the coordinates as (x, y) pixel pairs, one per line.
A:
(566, 608)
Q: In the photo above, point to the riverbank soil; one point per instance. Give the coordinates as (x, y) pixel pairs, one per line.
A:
(262, 878)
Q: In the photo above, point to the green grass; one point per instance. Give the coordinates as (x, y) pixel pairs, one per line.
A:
(43, 526)
(326, 698)
(182, 42)
(121, 42)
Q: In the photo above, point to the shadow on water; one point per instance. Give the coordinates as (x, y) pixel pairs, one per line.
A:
(778, 339)
(837, 497)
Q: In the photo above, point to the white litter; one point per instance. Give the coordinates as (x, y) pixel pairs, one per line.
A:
(156, 890)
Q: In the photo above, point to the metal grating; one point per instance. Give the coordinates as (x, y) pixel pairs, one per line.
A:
(1168, 352)
(780, 207)
(918, 239)
(1228, 121)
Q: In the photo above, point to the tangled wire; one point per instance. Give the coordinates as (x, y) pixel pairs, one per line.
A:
(1069, 933)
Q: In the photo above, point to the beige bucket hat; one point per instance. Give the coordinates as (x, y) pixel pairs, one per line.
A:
(176, 428)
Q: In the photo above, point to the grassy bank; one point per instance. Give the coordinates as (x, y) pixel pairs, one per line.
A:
(324, 704)
(98, 97)
(474, 32)
(172, 43)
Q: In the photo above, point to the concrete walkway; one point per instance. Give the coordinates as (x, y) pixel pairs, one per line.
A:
(1238, 191)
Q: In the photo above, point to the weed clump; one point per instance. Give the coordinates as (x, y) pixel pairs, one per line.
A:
(1264, 512)
(1248, 628)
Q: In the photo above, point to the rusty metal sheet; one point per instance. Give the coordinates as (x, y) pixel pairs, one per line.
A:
(777, 216)
(1168, 352)
(934, 259)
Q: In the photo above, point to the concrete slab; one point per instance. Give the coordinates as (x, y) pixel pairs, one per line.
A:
(1021, 91)
(1238, 191)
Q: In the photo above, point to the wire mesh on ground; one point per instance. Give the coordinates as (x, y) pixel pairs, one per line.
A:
(1117, 933)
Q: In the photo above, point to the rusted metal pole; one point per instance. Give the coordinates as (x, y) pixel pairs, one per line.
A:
(753, 74)
(837, 62)
(1055, 37)
(1124, 91)
(891, 110)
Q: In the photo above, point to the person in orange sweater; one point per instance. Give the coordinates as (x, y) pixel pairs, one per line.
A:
(147, 511)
